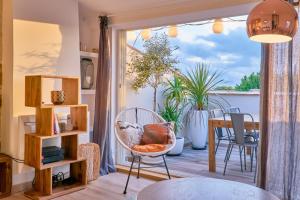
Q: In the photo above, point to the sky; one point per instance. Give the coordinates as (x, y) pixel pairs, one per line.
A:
(231, 53)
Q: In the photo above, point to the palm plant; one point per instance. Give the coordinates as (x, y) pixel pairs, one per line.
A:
(172, 114)
(174, 92)
(198, 83)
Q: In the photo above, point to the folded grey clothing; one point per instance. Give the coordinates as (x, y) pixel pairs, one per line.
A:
(52, 151)
(52, 159)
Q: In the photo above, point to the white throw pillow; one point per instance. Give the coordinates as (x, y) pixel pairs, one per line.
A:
(130, 133)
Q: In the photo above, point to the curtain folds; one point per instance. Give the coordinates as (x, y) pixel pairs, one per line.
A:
(279, 166)
(102, 129)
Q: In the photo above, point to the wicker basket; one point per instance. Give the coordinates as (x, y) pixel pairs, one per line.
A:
(91, 152)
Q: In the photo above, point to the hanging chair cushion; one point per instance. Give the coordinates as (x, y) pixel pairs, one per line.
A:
(149, 148)
(129, 133)
(157, 134)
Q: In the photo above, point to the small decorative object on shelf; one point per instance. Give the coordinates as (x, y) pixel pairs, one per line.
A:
(56, 127)
(69, 126)
(87, 73)
(57, 97)
(62, 121)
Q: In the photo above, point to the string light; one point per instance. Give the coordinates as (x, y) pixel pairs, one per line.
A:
(218, 26)
(131, 36)
(146, 34)
(172, 31)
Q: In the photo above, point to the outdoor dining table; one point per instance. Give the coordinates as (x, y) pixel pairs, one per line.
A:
(203, 188)
(220, 122)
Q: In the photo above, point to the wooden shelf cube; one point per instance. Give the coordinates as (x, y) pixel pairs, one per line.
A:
(45, 119)
(34, 146)
(34, 90)
(43, 188)
(5, 176)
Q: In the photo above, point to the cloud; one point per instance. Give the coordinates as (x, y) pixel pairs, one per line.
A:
(227, 58)
(218, 59)
(231, 52)
(195, 35)
(195, 59)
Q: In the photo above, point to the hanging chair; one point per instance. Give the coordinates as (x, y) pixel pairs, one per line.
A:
(138, 117)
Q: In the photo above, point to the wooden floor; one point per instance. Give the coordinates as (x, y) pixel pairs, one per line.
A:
(108, 187)
(190, 163)
(193, 163)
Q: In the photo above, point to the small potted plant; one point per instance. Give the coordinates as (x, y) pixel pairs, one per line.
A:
(197, 84)
(173, 109)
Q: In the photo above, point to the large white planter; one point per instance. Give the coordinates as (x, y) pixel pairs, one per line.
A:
(178, 148)
(197, 128)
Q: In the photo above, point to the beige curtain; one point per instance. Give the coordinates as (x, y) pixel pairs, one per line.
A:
(102, 129)
(279, 168)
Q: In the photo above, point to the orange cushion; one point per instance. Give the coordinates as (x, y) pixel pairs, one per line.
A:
(156, 134)
(149, 148)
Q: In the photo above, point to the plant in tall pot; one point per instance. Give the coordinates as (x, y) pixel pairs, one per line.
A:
(173, 109)
(198, 83)
(150, 68)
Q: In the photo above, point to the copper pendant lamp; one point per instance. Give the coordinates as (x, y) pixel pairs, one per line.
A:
(272, 21)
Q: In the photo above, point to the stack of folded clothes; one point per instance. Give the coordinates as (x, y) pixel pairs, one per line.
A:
(52, 154)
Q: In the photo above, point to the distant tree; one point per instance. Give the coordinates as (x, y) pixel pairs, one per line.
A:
(225, 87)
(150, 68)
(249, 82)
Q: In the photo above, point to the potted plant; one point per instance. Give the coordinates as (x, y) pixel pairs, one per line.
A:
(197, 84)
(150, 67)
(173, 109)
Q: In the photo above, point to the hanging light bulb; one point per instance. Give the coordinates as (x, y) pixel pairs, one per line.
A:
(131, 35)
(272, 21)
(218, 26)
(172, 31)
(146, 34)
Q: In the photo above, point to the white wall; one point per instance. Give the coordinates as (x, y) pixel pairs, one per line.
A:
(45, 41)
(248, 102)
(89, 28)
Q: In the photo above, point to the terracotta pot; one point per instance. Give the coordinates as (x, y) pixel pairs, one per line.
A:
(57, 97)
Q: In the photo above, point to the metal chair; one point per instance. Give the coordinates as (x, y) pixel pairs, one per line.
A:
(141, 117)
(215, 113)
(233, 110)
(243, 139)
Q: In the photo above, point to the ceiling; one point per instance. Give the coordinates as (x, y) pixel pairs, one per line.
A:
(126, 10)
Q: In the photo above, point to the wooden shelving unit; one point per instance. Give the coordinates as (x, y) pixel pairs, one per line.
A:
(5, 176)
(42, 188)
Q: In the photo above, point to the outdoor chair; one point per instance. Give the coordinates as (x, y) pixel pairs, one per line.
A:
(233, 110)
(136, 118)
(215, 113)
(243, 139)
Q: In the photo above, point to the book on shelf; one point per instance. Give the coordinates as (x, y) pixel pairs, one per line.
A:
(56, 125)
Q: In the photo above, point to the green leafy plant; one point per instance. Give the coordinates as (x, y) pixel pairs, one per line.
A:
(174, 92)
(197, 84)
(225, 87)
(172, 114)
(174, 102)
(150, 68)
(249, 82)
